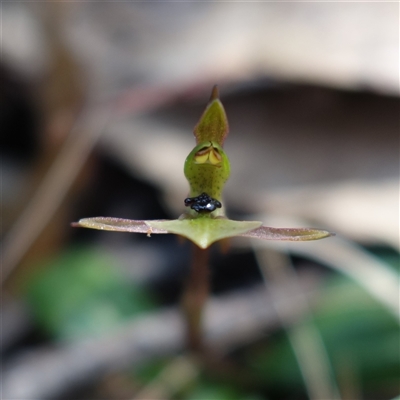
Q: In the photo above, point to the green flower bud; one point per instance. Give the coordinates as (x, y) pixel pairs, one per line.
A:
(207, 168)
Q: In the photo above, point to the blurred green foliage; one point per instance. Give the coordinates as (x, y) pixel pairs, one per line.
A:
(201, 388)
(361, 339)
(386, 254)
(218, 391)
(82, 292)
(360, 335)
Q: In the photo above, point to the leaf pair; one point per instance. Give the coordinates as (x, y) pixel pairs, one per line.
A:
(203, 231)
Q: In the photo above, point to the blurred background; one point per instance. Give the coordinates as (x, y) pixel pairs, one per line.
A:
(98, 104)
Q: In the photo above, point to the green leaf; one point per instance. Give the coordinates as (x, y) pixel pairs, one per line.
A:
(288, 234)
(81, 293)
(117, 225)
(215, 391)
(204, 231)
(213, 124)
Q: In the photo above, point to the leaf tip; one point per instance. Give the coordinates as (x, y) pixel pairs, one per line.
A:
(213, 124)
(214, 93)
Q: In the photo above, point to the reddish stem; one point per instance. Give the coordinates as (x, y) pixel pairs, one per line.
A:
(194, 297)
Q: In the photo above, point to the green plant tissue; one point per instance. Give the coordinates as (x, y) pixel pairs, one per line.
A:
(359, 334)
(81, 293)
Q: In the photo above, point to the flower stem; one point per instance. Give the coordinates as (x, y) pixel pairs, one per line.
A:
(194, 297)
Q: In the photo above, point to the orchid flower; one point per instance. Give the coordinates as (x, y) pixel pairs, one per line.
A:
(207, 168)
